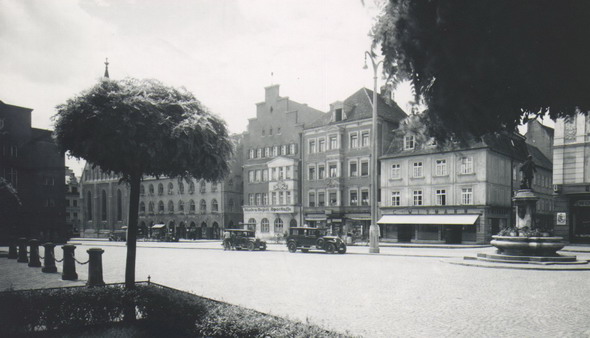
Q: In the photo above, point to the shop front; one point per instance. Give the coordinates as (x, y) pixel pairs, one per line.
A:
(580, 213)
(450, 229)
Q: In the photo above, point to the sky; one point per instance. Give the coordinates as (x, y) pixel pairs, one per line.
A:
(224, 51)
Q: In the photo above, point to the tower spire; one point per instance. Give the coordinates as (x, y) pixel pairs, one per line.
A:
(106, 68)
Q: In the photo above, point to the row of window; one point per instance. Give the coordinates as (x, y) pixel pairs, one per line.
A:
(270, 131)
(276, 173)
(181, 206)
(440, 168)
(356, 168)
(274, 151)
(170, 190)
(440, 197)
(355, 140)
(278, 225)
(318, 198)
(277, 198)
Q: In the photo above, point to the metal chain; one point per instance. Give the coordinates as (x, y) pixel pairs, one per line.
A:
(58, 260)
(77, 261)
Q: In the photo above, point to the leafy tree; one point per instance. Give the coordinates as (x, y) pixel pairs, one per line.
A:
(141, 127)
(486, 65)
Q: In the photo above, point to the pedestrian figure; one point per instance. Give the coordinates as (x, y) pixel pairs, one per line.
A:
(528, 169)
(226, 240)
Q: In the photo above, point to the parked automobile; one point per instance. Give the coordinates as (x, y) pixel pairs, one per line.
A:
(243, 239)
(309, 238)
(118, 236)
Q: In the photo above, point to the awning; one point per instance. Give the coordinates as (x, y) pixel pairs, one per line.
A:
(315, 217)
(158, 226)
(124, 227)
(360, 218)
(429, 219)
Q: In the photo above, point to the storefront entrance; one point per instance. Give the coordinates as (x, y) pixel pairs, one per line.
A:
(405, 233)
(581, 221)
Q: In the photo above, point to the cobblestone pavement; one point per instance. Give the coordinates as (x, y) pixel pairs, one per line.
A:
(401, 292)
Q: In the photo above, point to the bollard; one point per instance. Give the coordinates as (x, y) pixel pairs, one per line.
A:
(22, 251)
(49, 259)
(12, 252)
(69, 267)
(95, 267)
(34, 261)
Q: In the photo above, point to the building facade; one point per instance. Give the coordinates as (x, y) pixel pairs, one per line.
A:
(272, 164)
(337, 171)
(571, 178)
(31, 162)
(455, 193)
(73, 209)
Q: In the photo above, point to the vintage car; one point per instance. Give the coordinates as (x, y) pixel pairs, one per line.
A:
(118, 236)
(309, 238)
(243, 239)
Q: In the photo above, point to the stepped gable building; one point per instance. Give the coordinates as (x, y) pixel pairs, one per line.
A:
(191, 209)
(336, 162)
(455, 193)
(571, 177)
(31, 162)
(272, 163)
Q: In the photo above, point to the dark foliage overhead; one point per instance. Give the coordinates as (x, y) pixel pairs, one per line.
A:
(485, 65)
(143, 127)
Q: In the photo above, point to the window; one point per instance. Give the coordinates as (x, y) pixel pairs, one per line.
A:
(333, 169)
(213, 187)
(119, 206)
(467, 196)
(321, 199)
(264, 198)
(191, 188)
(321, 145)
(396, 171)
(417, 172)
(161, 207)
(281, 173)
(274, 198)
(270, 130)
(264, 175)
(312, 148)
(354, 141)
(267, 152)
(203, 187)
(365, 197)
(257, 175)
(311, 199)
(278, 130)
(275, 151)
(89, 205)
(142, 207)
(141, 190)
(417, 197)
(333, 139)
(292, 149)
(278, 226)
(180, 188)
(103, 205)
(151, 189)
(181, 206)
(365, 139)
(251, 176)
(354, 198)
(283, 150)
(354, 171)
(409, 142)
(288, 173)
(441, 197)
(333, 198)
(364, 168)
(466, 164)
(170, 206)
(192, 206)
(262, 132)
(214, 206)
(160, 189)
(203, 206)
(287, 197)
(441, 168)
(281, 195)
(258, 199)
(321, 172)
(338, 114)
(395, 198)
(259, 152)
(264, 225)
(151, 207)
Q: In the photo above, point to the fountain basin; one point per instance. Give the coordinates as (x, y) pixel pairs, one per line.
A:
(528, 246)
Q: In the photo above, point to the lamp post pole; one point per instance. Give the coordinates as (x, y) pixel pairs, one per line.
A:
(374, 228)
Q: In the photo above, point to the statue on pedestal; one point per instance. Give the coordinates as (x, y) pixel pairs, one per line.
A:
(528, 169)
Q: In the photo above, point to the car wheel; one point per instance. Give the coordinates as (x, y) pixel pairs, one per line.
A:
(292, 247)
(305, 250)
(250, 246)
(263, 246)
(342, 249)
(330, 248)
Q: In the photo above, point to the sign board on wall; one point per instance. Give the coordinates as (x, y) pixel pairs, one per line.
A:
(279, 210)
(561, 218)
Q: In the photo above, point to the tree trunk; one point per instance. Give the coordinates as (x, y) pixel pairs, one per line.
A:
(132, 231)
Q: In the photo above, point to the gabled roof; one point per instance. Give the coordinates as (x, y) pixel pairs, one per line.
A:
(539, 158)
(359, 106)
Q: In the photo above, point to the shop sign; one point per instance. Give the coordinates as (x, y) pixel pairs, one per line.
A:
(582, 203)
(561, 218)
(280, 210)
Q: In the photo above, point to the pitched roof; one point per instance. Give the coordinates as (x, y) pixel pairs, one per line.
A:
(359, 106)
(539, 158)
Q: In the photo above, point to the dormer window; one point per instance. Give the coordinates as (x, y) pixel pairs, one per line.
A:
(409, 142)
(338, 114)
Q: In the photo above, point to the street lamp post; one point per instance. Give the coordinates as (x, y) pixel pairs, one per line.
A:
(374, 228)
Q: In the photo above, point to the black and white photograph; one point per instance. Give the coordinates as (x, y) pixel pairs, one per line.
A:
(294, 168)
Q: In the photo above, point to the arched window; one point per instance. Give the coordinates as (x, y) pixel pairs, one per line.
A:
(142, 207)
(251, 224)
(203, 207)
(293, 223)
(170, 188)
(278, 226)
(151, 189)
(151, 207)
(181, 206)
(192, 207)
(264, 226)
(160, 189)
(191, 188)
(141, 190)
(170, 206)
(180, 188)
(203, 186)
(119, 206)
(214, 206)
(160, 206)
(230, 204)
(89, 205)
(213, 187)
(103, 205)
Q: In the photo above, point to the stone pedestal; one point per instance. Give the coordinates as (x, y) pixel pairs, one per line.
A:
(95, 267)
(526, 205)
(12, 251)
(69, 264)
(49, 259)
(34, 261)
(22, 251)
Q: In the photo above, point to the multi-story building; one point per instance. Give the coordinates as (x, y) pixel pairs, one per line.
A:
(337, 172)
(571, 177)
(272, 163)
(32, 163)
(455, 193)
(190, 208)
(73, 210)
